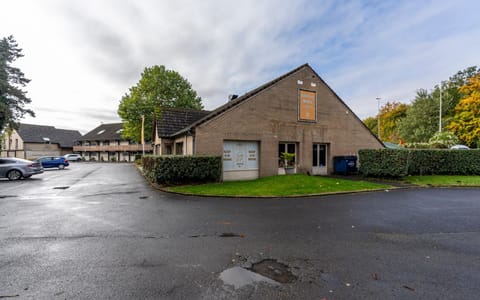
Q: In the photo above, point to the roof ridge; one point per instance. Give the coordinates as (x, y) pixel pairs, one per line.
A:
(242, 98)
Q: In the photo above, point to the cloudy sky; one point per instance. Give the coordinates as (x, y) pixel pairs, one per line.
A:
(83, 56)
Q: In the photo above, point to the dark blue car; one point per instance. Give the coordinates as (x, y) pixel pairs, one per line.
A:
(53, 162)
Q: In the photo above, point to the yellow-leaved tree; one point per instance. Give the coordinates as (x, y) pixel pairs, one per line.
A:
(466, 120)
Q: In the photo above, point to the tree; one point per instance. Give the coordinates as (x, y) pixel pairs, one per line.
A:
(421, 121)
(451, 94)
(157, 88)
(390, 115)
(372, 124)
(466, 121)
(444, 139)
(12, 98)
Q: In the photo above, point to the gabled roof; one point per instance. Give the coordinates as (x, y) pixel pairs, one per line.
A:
(242, 98)
(173, 120)
(104, 132)
(41, 134)
(248, 95)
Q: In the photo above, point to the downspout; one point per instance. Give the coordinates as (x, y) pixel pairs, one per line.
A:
(186, 144)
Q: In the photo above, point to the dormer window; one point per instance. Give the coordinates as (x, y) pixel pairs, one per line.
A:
(46, 140)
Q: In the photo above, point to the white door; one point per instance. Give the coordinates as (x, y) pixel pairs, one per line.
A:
(240, 160)
(319, 163)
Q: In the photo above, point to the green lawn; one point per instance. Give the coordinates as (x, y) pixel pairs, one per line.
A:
(443, 180)
(287, 185)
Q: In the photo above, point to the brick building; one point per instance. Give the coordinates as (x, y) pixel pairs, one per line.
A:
(105, 143)
(32, 141)
(295, 113)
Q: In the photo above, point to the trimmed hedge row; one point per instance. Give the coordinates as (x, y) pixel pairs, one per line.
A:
(173, 170)
(399, 163)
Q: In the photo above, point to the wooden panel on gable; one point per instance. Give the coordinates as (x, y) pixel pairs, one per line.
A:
(307, 106)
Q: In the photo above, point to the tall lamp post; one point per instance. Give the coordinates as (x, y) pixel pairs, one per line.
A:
(440, 111)
(378, 117)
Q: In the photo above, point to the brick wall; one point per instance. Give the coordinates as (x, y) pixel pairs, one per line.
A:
(271, 116)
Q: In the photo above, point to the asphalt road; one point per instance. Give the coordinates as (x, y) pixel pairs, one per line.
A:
(98, 231)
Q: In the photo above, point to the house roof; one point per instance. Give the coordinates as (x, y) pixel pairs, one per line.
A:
(175, 119)
(259, 89)
(241, 99)
(104, 132)
(41, 134)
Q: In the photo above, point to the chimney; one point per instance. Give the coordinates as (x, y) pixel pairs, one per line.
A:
(232, 97)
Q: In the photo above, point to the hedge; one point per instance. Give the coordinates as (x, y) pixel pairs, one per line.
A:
(172, 170)
(399, 163)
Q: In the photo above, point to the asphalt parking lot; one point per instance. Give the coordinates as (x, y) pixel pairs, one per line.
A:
(99, 231)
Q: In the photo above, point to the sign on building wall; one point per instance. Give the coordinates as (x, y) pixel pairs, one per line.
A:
(239, 155)
(307, 106)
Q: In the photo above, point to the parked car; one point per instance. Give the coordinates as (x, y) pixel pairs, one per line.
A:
(73, 157)
(16, 168)
(53, 162)
(459, 147)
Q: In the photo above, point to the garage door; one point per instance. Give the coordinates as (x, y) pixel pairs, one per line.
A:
(240, 160)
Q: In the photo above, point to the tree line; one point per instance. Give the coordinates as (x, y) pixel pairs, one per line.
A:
(419, 121)
(413, 123)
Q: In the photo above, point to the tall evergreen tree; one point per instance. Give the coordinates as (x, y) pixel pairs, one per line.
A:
(12, 97)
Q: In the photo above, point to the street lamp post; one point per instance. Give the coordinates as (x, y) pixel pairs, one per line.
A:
(440, 111)
(378, 117)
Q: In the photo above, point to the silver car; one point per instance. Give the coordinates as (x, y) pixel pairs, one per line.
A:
(15, 168)
(73, 157)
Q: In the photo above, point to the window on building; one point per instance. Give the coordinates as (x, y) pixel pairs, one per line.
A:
(319, 155)
(16, 144)
(168, 150)
(288, 148)
(179, 148)
(9, 144)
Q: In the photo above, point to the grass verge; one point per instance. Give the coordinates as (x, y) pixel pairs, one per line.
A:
(443, 180)
(280, 186)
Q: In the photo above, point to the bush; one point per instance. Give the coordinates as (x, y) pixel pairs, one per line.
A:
(443, 139)
(172, 170)
(399, 163)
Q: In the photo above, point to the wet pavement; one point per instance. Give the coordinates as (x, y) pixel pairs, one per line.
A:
(98, 231)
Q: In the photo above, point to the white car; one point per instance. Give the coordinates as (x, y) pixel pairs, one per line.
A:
(73, 157)
(459, 147)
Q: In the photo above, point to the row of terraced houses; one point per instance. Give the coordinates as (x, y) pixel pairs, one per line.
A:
(296, 113)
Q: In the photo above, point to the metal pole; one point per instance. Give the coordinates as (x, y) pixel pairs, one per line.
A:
(378, 117)
(143, 135)
(440, 112)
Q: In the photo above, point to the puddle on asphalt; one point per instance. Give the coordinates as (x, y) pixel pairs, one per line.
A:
(240, 277)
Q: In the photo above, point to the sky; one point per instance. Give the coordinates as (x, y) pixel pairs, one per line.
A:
(82, 56)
